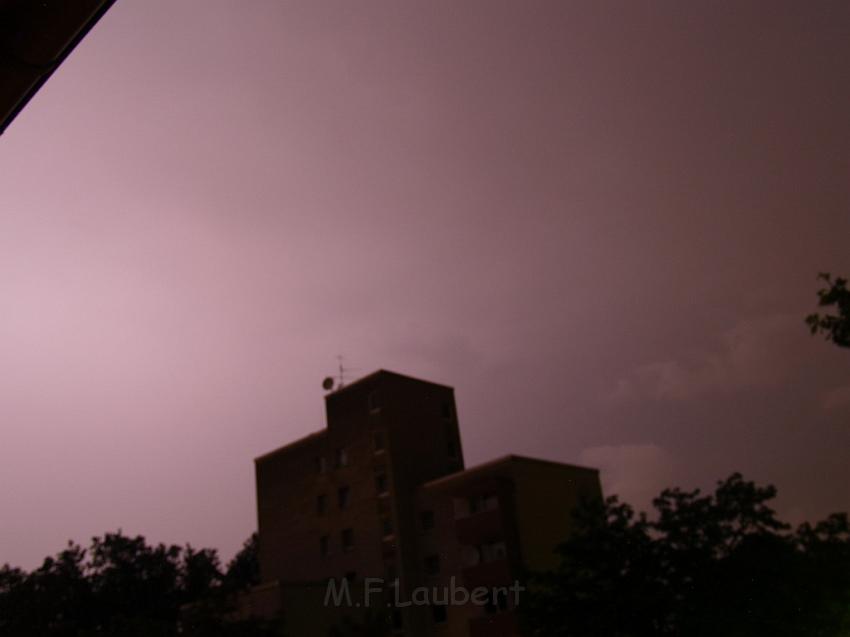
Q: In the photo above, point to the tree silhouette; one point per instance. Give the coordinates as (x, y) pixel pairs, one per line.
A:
(835, 327)
(200, 573)
(243, 571)
(123, 586)
(712, 565)
(56, 598)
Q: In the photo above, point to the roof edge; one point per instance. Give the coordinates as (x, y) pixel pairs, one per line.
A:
(495, 463)
(291, 445)
(385, 372)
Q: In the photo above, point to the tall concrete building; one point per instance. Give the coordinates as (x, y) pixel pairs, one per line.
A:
(380, 500)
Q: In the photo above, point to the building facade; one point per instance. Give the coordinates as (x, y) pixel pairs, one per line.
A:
(380, 505)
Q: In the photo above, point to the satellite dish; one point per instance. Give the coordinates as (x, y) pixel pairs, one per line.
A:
(328, 384)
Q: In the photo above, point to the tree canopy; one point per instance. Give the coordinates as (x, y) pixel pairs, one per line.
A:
(834, 327)
(713, 565)
(121, 585)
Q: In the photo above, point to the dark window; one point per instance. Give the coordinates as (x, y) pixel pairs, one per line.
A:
(387, 526)
(439, 613)
(378, 440)
(343, 495)
(483, 503)
(461, 507)
(374, 402)
(323, 546)
(381, 483)
(502, 599)
(446, 410)
(493, 551)
(321, 504)
(498, 600)
(341, 457)
(426, 518)
(347, 539)
(432, 564)
(321, 464)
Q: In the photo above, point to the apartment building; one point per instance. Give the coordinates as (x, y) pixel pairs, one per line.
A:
(382, 493)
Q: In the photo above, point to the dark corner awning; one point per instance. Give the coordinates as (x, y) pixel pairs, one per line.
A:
(35, 37)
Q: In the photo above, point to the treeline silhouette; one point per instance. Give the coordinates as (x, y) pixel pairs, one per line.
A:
(703, 565)
(121, 585)
(715, 565)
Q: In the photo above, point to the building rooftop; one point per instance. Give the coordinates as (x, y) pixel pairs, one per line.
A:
(316, 435)
(495, 466)
(385, 373)
(359, 382)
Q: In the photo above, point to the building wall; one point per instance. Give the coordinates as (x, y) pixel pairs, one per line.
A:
(525, 507)
(547, 494)
(532, 514)
(417, 422)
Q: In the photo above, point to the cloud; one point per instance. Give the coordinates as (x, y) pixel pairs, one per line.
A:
(635, 472)
(755, 352)
(836, 398)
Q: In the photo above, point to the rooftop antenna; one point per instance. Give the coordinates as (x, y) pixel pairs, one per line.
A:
(331, 383)
(341, 372)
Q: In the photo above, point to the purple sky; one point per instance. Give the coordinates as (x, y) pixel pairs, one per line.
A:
(599, 221)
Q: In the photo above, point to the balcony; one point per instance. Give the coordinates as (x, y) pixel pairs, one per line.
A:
(479, 527)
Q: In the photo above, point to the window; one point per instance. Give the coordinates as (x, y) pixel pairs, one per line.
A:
(439, 613)
(321, 464)
(321, 504)
(378, 441)
(493, 551)
(387, 526)
(381, 483)
(461, 507)
(323, 546)
(343, 496)
(347, 539)
(374, 402)
(446, 410)
(426, 519)
(432, 564)
(341, 457)
(483, 503)
(470, 555)
(498, 601)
